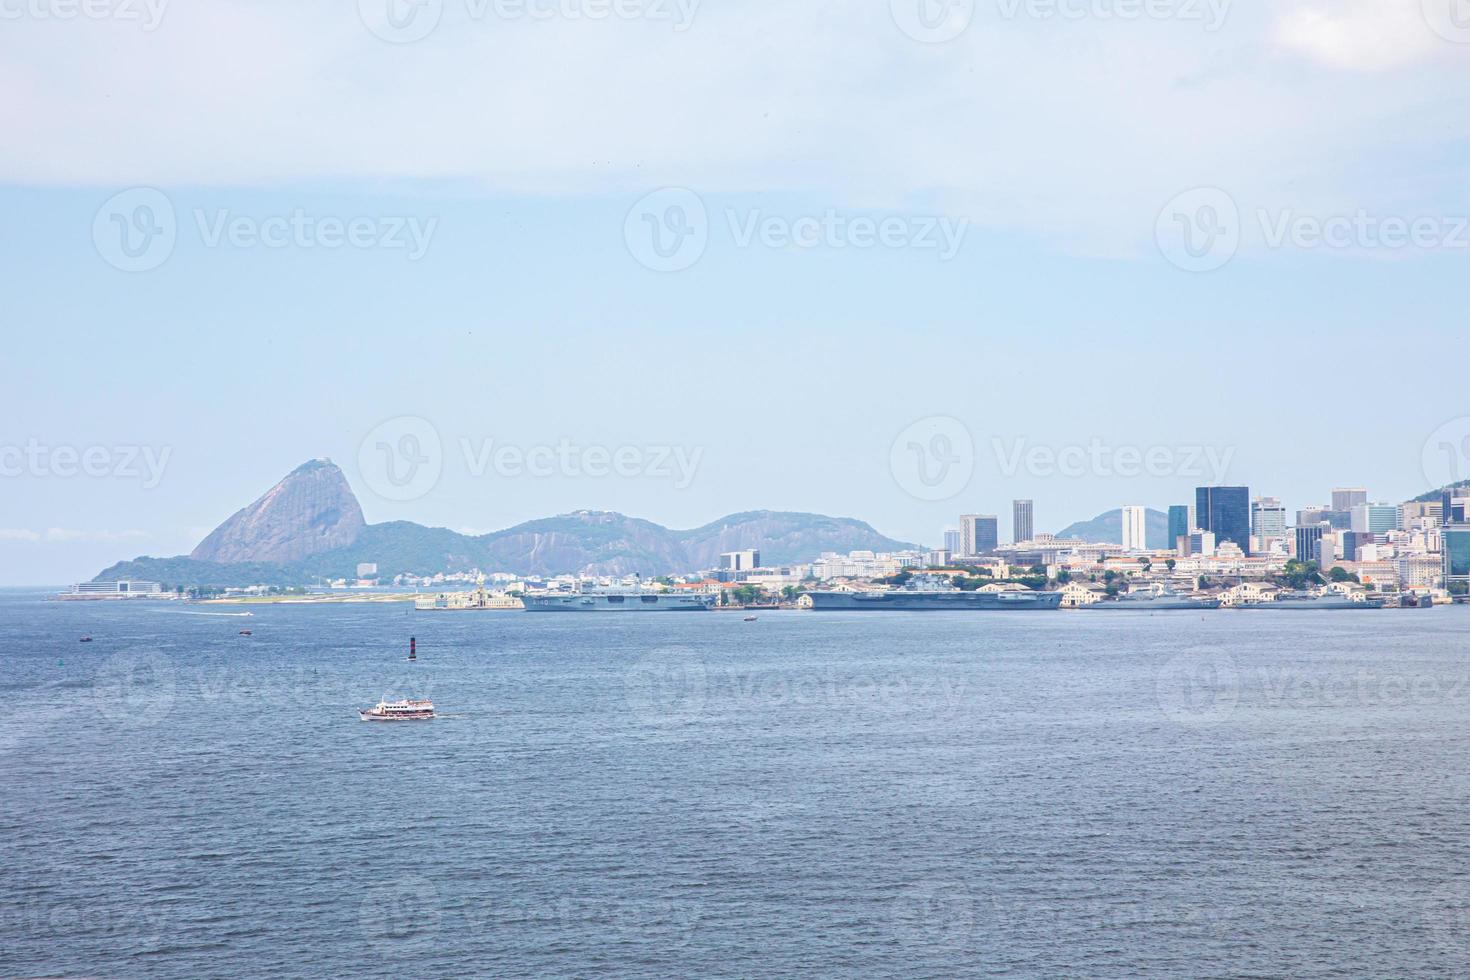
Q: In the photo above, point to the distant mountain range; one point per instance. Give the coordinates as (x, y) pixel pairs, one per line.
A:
(309, 527)
(1108, 527)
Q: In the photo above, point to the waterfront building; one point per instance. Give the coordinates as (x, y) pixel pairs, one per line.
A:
(121, 589)
(1419, 571)
(979, 534)
(1226, 512)
(1021, 523)
(1346, 498)
(740, 561)
(1135, 528)
(1455, 541)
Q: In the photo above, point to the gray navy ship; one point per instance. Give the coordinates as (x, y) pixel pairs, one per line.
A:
(934, 600)
(617, 600)
(1307, 602)
(1155, 602)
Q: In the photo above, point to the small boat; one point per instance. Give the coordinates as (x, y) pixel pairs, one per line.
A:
(246, 633)
(750, 619)
(86, 639)
(407, 710)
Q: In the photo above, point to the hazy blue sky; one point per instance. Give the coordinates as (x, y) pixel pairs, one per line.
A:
(760, 241)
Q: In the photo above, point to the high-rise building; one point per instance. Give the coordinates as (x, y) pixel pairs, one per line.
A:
(952, 540)
(1268, 518)
(1455, 548)
(1346, 498)
(1201, 543)
(979, 534)
(1312, 515)
(1326, 550)
(1456, 506)
(1227, 512)
(1307, 538)
(1021, 529)
(1417, 516)
(1178, 524)
(1135, 528)
(1375, 518)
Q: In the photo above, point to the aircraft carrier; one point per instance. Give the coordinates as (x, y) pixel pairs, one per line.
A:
(617, 601)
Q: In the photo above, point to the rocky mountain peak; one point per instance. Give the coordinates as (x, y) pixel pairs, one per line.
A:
(311, 511)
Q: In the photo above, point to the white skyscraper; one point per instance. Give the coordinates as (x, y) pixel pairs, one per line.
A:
(1135, 528)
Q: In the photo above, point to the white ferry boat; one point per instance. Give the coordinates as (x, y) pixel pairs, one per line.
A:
(398, 711)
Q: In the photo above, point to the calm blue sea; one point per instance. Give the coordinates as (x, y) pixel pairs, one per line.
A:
(1047, 794)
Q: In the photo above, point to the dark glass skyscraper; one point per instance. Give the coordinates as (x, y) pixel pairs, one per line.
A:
(1227, 512)
(1178, 524)
(1308, 537)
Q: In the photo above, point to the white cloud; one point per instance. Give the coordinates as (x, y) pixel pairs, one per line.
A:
(1078, 131)
(1359, 35)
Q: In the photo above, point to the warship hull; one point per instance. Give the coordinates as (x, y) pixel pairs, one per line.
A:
(935, 601)
(617, 602)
